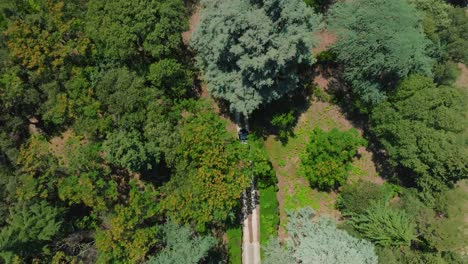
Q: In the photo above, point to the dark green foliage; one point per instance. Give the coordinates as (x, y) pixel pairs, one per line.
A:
(122, 95)
(126, 149)
(260, 166)
(455, 36)
(385, 226)
(327, 158)
(357, 197)
(30, 226)
(250, 51)
(170, 76)
(326, 57)
(379, 43)
(420, 127)
(318, 5)
(284, 123)
(446, 73)
(182, 246)
(137, 31)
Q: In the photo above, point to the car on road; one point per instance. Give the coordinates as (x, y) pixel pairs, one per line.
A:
(243, 135)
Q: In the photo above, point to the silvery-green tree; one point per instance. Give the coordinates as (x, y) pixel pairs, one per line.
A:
(314, 241)
(379, 43)
(250, 51)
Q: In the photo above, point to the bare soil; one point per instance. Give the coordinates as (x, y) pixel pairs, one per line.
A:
(326, 40)
(193, 22)
(462, 81)
(57, 144)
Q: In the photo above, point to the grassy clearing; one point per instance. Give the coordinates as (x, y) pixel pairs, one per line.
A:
(234, 236)
(295, 188)
(269, 214)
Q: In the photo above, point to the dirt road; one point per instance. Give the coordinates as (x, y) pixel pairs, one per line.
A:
(251, 227)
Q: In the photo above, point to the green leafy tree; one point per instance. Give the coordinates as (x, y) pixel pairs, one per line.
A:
(182, 246)
(327, 157)
(123, 96)
(127, 150)
(170, 76)
(38, 170)
(436, 16)
(87, 180)
(379, 43)
(260, 167)
(251, 51)
(209, 172)
(44, 41)
(420, 127)
(455, 37)
(30, 227)
(130, 232)
(385, 226)
(138, 31)
(318, 242)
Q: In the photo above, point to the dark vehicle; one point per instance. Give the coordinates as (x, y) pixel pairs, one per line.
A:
(243, 135)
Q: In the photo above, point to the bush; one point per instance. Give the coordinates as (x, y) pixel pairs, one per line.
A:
(318, 5)
(285, 124)
(328, 155)
(357, 197)
(446, 73)
(326, 57)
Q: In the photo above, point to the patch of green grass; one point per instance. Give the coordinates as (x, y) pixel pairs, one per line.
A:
(282, 163)
(234, 236)
(303, 196)
(356, 171)
(269, 214)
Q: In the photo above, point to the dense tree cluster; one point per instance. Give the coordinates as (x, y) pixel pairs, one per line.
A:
(109, 155)
(421, 126)
(404, 228)
(101, 139)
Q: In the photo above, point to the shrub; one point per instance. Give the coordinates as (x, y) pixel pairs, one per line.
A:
(285, 124)
(326, 57)
(357, 197)
(327, 158)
